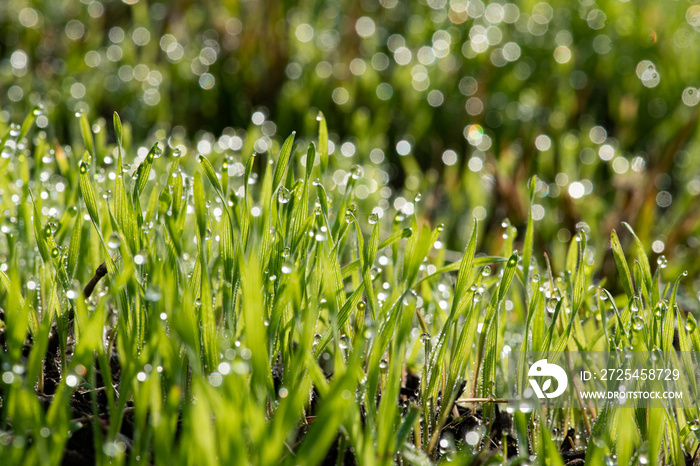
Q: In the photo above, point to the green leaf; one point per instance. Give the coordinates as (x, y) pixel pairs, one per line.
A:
(124, 211)
(117, 129)
(466, 264)
(310, 160)
(27, 124)
(529, 235)
(685, 347)
(41, 233)
(86, 132)
(579, 280)
(323, 141)
(621, 262)
(75, 243)
(283, 161)
(88, 192)
(642, 258)
(668, 325)
(144, 170)
(396, 236)
(200, 209)
(211, 174)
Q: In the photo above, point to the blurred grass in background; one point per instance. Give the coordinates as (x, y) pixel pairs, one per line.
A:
(459, 100)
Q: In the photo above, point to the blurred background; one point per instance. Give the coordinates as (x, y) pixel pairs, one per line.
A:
(455, 102)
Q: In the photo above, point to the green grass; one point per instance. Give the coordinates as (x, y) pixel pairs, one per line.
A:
(271, 317)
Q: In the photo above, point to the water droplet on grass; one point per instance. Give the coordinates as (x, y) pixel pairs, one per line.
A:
(661, 261)
(84, 168)
(357, 172)
(637, 323)
(373, 218)
(284, 195)
(690, 325)
(634, 305)
(114, 241)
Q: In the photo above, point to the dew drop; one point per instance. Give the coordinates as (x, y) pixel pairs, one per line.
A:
(357, 172)
(634, 305)
(638, 323)
(373, 219)
(114, 241)
(661, 261)
(283, 195)
(287, 268)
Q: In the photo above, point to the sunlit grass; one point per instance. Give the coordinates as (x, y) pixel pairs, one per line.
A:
(273, 317)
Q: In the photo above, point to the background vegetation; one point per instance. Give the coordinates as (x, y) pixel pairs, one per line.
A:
(438, 113)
